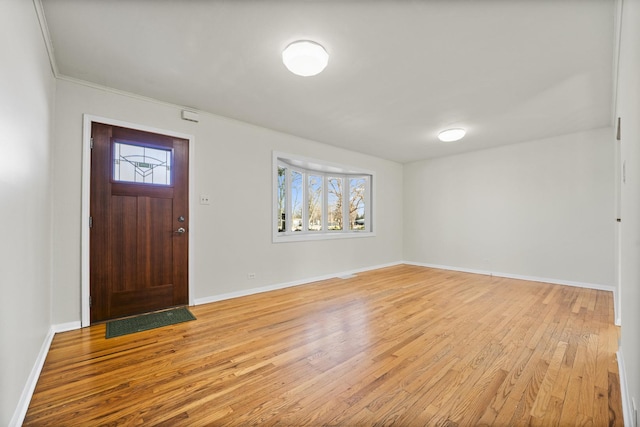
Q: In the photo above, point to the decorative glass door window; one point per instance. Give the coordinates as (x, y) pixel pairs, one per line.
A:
(140, 164)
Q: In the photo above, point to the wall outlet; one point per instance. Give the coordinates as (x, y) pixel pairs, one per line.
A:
(251, 275)
(205, 199)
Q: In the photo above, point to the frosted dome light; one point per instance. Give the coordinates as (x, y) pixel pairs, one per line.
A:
(451, 135)
(305, 58)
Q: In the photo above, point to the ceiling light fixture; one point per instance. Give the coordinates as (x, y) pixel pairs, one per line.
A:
(305, 58)
(451, 135)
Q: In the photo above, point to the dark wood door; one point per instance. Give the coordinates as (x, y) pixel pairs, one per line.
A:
(139, 222)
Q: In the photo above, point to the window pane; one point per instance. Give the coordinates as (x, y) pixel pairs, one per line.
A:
(134, 163)
(334, 208)
(282, 199)
(357, 187)
(296, 201)
(315, 202)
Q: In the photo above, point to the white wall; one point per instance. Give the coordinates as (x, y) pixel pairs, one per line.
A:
(542, 209)
(26, 107)
(232, 236)
(628, 109)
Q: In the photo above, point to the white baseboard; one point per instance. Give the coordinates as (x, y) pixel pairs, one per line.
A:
(517, 276)
(446, 267)
(595, 286)
(627, 407)
(30, 386)
(32, 380)
(252, 291)
(64, 327)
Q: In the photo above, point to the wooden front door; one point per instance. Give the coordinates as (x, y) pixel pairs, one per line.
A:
(139, 222)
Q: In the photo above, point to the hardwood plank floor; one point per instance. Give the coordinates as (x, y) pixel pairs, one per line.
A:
(404, 345)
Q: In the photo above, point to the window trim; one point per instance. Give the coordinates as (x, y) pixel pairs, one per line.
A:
(325, 169)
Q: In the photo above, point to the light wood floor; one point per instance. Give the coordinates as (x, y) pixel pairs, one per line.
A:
(404, 345)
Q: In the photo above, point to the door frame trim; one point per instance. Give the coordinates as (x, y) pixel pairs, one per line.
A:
(88, 120)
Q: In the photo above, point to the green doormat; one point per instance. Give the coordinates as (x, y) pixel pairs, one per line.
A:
(116, 328)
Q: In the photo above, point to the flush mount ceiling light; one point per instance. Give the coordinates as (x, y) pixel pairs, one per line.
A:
(305, 58)
(451, 135)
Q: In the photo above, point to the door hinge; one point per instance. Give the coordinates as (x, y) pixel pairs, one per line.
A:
(90, 222)
(91, 143)
(90, 301)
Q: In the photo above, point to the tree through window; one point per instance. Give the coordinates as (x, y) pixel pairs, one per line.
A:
(312, 199)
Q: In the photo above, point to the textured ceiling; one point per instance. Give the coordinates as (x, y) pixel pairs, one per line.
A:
(398, 73)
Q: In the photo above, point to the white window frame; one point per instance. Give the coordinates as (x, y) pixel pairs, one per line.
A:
(308, 166)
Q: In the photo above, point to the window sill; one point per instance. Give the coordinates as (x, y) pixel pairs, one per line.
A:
(279, 238)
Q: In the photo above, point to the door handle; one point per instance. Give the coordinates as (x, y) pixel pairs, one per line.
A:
(180, 230)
